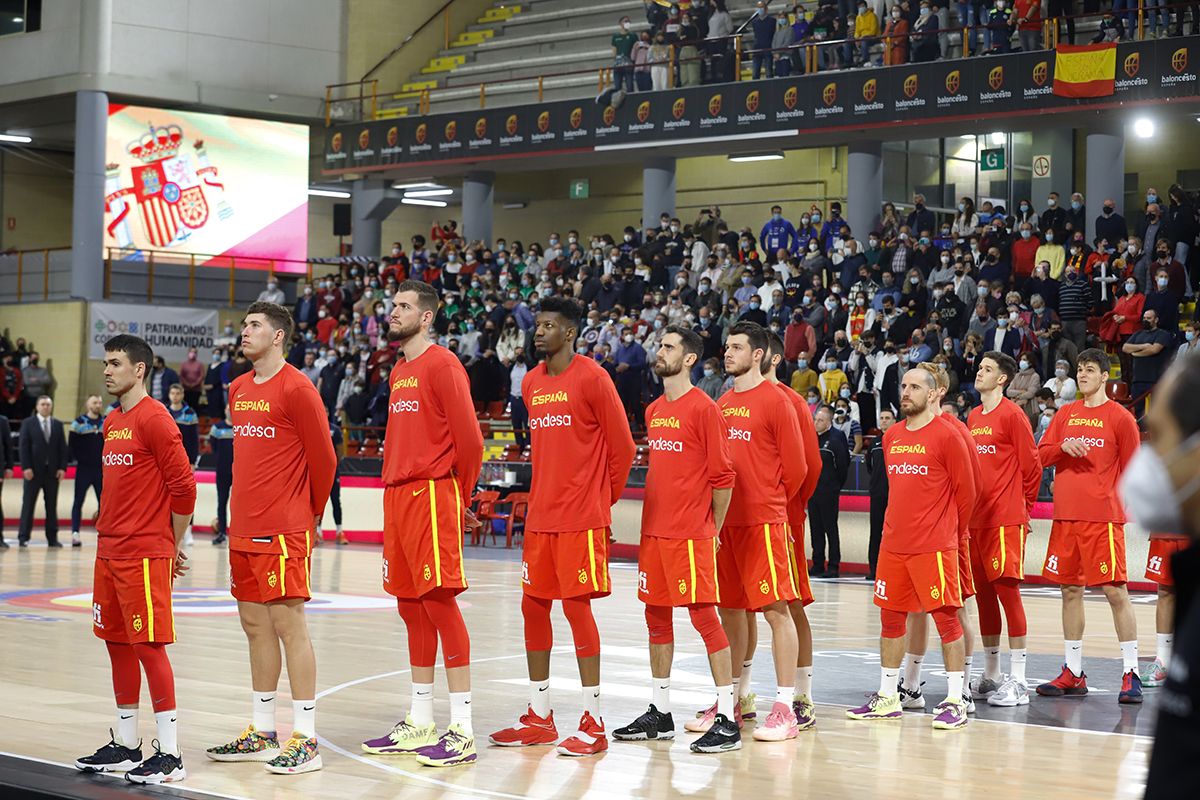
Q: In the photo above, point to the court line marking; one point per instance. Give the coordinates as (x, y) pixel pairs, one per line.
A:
(181, 791)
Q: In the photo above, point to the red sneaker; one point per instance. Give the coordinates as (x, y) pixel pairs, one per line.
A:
(529, 730)
(587, 741)
(1067, 683)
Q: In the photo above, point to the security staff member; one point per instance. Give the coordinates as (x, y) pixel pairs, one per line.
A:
(823, 506)
(877, 471)
(86, 444)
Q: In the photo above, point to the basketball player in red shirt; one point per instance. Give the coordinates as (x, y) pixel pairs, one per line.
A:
(1010, 475)
(432, 455)
(582, 452)
(688, 486)
(1089, 443)
(1163, 546)
(931, 489)
(144, 511)
(753, 563)
(283, 468)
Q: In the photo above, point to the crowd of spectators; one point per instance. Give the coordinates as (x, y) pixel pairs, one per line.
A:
(23, 378)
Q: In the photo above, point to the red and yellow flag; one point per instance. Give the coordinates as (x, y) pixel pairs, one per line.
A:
(1085, 70)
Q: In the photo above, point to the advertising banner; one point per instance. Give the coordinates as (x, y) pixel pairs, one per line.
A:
(169, 331)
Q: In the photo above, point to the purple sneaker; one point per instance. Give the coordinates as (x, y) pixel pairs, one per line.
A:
(806, 714)
(948, 715)
(878, 706)
(453, 749)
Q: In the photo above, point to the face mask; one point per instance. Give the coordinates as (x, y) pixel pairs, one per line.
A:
(873, 242)
(1001, 322)
(830, 366)
(1161, 282)
(804, 220)
(1076, 205)
(904, 237)
(981, 291)
(624, 26)
(895, 15)
(1130, 288)
(1151, 198)
(674, 229)
(914, 280)
(1024, 208)
(816, 218)
(777, 217)
(860, 302)
(216, 357)
(1148, 493)
(1024, 365)
(754, 306)
(1026, 234)
(708, 372)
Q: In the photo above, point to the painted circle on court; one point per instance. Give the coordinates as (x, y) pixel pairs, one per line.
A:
(192, 602)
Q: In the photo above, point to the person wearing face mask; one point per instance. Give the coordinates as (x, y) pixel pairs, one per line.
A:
(1163, 300)
(622, 48)
(926, 46)
(763, 24)
(831, 379)
(1191, 340)
(866, 32)
(1182, 226)
(1124, 320)
(191, 376)
(215, 380)
(1024, 251)
(272, 294)
(1022, 389)
(1109, 224)
(631, 364)
(1062, 384)
(1151, 349)
(305, 310)
(778, 233)
(1074, 306)
(897, 29)
(1087, 538)
(1150, 227)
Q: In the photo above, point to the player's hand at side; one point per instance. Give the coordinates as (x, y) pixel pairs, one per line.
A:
(181, 566)
(471, 521)
(1075, 448)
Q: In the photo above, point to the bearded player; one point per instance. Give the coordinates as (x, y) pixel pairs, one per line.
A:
(432, 456)
(146, 507)
(283, 464)
(688, 486)
(582, 452)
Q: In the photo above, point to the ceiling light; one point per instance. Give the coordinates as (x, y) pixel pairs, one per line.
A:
(327, 193)
(998, 138)
(774, 156)
(1143, 127)
(417, 185)
(967, 136)
(412, 201)
(429, 193)
(513, 206)
(18, 20)
(12, 137)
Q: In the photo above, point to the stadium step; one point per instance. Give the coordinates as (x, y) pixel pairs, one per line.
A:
(473, 38)
(499, 14)
(443, 64)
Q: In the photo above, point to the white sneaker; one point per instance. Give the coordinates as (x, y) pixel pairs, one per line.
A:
(969, 703)
(188, 540)
(1011, 693)
(911, 699)
(981, 688)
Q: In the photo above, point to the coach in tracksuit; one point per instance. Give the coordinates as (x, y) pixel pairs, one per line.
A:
(823, 507)
(877, 471)
(86, 444)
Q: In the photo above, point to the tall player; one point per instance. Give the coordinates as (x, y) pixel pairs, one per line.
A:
(1010, 476)
(753, 564)
(929, 475)
(1089, 442)
(431, 460)
(149, 495)
(283, 464)
(688, 487)
(582, 452)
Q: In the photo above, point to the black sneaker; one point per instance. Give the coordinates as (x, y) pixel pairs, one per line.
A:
(3, 545)
(219, 539)
(652, 725)
(722, 736)
(112, 757)
(158, 768)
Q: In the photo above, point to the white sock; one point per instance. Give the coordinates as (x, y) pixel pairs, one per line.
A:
(591, 701)
(1165, 640)
(168, 735)
(725, 701)
(460, 711)
(1016, 665)
(991, 663)
(967, 665)
(339, 529)
(127, 724)
(804, 682)
(422, 703)
(1129, 656)
(661, 694)
(1074, 651)
(264, 712)
(743, 687)
(954, 686)
(784, 694)
(304, 718)
(888, 678)
(912, 671)
(539, 697)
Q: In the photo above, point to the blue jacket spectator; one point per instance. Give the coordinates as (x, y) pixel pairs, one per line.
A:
(162, 378)
(189, 429)
(832, 227)
(777, 233)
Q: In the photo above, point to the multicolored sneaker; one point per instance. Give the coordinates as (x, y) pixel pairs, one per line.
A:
(112, 757)
(158, 768)
(454, 749)
(746, 706)
(722, 736)
(299, 755)
(878, 706)
(1153, 674)
(1011, 693)
(250, 745)
(1131, 688)
(1066, 684)
(405, 739)
(587, 741)
(780, 725)
(806, 713)
(529, 730)
(981, 688)
(949, 715)
(911, 699)
(704, 719)
(653, 724)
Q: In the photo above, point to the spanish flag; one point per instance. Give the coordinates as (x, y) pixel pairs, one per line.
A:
(1085, 70)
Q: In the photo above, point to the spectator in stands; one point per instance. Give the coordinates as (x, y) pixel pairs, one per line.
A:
(926, 46)
(630, 365)
(1074, 307)
(1027, 16)
(272, 294)
(659, 60)
(999, 27)
(1150, 226)
(38, 380)
(866, 33)
(12, 388)
(1024, 386)
(309, 367)
(305, 311)
(622, 46)
(1024, 253)
(1124, 320)
(878, 490)
(1111, 28)
(711, 380)
(1151, 349)
(895, 35)
(43, 454)
(186, 420)
(1051, 252)
(1191, 340)
(215, 383)
(1164, 301)
(832, 379)
(1062, 384)
(162, 378)
(823, 506)
(640, 56)
(191, 377)
(783, 38)
(779, 233)
(763, 25)
(329, 380)
(717, 46)
(845, 419)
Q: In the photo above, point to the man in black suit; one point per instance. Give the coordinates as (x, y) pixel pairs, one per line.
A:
(8, 460)
(43, 461)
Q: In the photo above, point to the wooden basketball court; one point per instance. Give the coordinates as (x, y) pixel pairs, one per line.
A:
(56, 699)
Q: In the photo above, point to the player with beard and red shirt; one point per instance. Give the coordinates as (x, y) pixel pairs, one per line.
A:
(582, 451)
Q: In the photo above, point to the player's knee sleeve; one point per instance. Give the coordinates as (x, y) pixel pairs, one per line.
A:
(447, 619)
(658, 621)
(422, 636)
(159, 676)
(539, 635)
(707, 622)
(126, 673)
(893, 623)
(578, 611)
(948, 625)
(989, 608)
(1009, 592)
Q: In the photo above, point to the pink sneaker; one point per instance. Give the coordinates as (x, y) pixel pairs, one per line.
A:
(780, 725)
(705, 721)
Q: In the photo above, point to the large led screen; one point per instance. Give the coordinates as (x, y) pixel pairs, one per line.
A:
(180, 182)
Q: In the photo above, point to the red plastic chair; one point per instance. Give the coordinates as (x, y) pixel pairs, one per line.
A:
(484, 504)
(519, 509)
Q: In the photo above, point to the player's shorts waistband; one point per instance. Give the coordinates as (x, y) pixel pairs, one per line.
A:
(411, 481)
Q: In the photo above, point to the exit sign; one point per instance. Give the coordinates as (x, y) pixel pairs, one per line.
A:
(991, 159)
(579, 189)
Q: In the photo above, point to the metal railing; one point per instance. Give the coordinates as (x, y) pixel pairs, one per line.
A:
(32, 262)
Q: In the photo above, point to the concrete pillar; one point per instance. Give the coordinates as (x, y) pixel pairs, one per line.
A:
(658, 190)
(87, 205)
(1059, 145)
(1105, 162)
(95, 37)
(371, 201)
(864, 188)
(478, 196)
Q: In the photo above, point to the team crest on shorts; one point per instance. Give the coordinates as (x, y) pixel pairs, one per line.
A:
(763, 587)
(137, 623)
(1103, 568)
(272, 579)
(426, 573)
(934, 593)
(995, 563)
(583, 576)
(682, 586)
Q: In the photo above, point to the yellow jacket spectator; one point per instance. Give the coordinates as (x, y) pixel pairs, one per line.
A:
(866, 24)
(831, 380)
(804, 378)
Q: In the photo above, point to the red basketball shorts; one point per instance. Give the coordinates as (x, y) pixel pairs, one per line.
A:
(266, 569)
(423, 538)
(677, 572)
(131, 600)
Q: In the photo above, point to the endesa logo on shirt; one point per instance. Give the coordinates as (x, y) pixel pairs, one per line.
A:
(405, 406)
(905, 468)
(254, 431)
(118, 459)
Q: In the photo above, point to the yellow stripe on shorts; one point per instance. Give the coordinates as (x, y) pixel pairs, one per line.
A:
(941, 576)
(1003, 550)
(771, 561)
(437, 552)
(282, 565)
(1112, 550)
(462, 567)
(692, 566)
(149, 598)
(716, 578)
(592, 559)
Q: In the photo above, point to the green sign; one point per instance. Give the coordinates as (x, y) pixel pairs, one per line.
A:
(991, 159)
(579, 189)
